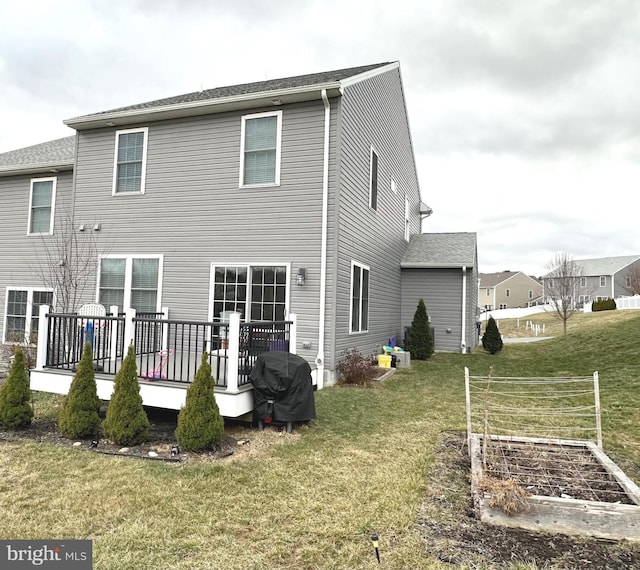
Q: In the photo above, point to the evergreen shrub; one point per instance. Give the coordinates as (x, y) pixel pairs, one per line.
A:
(200, 425)
(419, 338)
(15, 393)
(80, 414)
(604, 305)
(491, 339)
(126, 422)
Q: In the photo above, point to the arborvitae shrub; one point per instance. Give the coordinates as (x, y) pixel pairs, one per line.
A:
(200, 425)
(491, 339)
(15, 393)
(80, 415)
(419, 337)
(126, 422)
(604, 305)
(353, 368)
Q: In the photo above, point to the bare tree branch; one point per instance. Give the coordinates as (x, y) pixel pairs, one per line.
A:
(67, 262)
(634, 280)
(561, 287)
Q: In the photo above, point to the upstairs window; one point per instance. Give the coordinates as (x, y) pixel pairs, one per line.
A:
(507, 293)
(261, 148)
(603, 281)
(530, 294)
(130, 161)
(627, 281)
(359, 298)
(583, 281)
(373, 180)
(41, 205)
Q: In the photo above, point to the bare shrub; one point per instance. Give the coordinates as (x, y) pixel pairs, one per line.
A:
(354, 368)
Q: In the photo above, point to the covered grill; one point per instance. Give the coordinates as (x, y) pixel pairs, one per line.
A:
(282, 389)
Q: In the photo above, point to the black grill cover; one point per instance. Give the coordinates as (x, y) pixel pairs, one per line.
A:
(285, 379)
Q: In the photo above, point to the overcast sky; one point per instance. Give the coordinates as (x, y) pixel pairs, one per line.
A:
(525, 116)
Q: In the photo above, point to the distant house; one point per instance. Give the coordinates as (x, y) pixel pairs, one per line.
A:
(442, 269)
(284, 203)
(508, 290)
(602, 278)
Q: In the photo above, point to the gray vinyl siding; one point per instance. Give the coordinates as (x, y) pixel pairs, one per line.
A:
(194, 213)
(22, 256)
(372, 113)
(441, 290)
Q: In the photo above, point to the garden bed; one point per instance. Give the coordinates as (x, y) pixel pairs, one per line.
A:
(570, 487)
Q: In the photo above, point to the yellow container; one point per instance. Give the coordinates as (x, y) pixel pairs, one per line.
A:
(384, 360)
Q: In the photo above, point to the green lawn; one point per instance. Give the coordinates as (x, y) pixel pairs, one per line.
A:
(313, 501)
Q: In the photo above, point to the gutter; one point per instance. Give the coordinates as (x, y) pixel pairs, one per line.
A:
(323, 254)
(36, 168)
(463, 338)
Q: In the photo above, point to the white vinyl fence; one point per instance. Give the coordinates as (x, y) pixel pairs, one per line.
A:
(621, 303)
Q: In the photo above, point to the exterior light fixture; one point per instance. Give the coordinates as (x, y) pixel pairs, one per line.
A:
(175, 451)
(301, 276)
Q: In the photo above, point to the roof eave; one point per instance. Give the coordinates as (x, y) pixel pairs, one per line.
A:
(423, 265)
(36, 168)
(275, 98)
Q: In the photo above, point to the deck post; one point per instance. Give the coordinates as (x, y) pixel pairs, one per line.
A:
(43, 336)
(233, 352)
(293, 332)
(129, 329)
(165, 328)
(113, 311)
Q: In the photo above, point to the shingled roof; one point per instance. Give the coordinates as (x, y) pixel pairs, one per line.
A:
(605, 265)
(53, 155)
(441, 250)
(208, 99)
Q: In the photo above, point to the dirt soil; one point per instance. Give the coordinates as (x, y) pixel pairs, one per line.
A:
(452, 531)
(240, 441)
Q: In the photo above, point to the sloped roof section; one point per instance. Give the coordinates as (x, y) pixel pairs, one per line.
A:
(226, 98)
(49, 156)
(605, 265)
(493, 279)
(441, 251)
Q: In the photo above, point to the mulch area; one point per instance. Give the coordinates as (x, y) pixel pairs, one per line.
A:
(159, 444)
(452, 531)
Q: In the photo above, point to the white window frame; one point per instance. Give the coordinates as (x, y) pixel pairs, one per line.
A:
(371, 153)
(54, 180)
(249, 265)
(143, 178)
(530, 294)
(128, 275)
(507, 293)
(603, 280)
(503, 306)
(362, 268)
(29, 310)
(246, 118)
(394, 187)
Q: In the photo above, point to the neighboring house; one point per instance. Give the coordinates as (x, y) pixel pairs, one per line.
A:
(602, 278)
(296, 196)
(508, 290)
(442, 269)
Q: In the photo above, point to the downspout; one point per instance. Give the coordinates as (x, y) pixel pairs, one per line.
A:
(323, 252)
(463, 340)
(613, 286)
